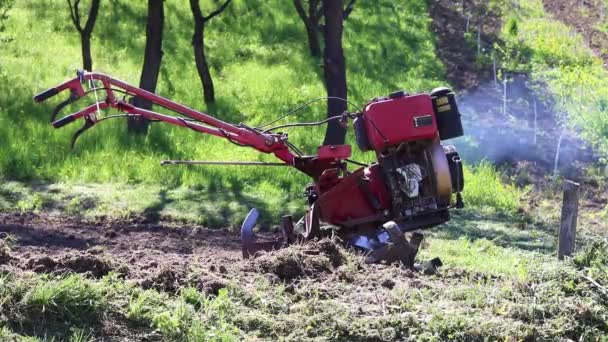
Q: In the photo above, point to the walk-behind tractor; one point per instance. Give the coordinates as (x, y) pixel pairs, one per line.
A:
(410, 186)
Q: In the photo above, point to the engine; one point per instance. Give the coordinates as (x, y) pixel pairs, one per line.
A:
(415, 176)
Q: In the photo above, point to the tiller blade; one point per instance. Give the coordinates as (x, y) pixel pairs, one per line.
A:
(388, 246)
(249, 243)
(396, 248)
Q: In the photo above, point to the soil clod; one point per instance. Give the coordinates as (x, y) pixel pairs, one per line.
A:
(302, 260)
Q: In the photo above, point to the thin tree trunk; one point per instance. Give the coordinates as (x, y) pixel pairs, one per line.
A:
(87, 60)
(311, 22)
(313, 41)
(335, 70)
(198, 42)
(152, 62)
(86, 31)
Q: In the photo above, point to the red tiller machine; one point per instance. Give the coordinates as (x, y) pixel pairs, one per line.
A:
(410, 186)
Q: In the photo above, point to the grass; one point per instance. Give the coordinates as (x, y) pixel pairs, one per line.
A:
(559, 61)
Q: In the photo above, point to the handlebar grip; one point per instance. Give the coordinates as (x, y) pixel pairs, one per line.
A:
(63, 121)
(46, 94)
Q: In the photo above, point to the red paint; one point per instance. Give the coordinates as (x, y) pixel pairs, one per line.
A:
(389, 122)
(334, 152)
(347, 200)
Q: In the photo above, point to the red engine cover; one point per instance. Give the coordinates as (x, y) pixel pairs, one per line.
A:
(392, 121)
(361, 194)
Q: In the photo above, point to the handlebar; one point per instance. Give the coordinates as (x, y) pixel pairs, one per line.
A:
(242, 135)
(45, 95)
(64, 121)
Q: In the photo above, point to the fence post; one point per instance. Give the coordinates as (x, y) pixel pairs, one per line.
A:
(567, 230)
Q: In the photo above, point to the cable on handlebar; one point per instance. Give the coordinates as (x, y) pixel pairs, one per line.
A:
(306, 104)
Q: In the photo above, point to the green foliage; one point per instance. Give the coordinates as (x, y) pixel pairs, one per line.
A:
(50, 307)
(484, 187)
(511, 27)
(5, 6)
(68, 300)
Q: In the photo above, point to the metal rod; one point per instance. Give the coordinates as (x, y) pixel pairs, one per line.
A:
(208, 162)
(535, 122)
(557, 152)
(494, 68)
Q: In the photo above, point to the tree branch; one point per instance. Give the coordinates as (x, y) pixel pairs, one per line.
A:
(217, 11)
(88, 27)
(74, 14)
(301, 12)
(349, 8)
(196, 11)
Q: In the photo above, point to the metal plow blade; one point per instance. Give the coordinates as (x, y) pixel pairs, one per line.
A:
(249, 241)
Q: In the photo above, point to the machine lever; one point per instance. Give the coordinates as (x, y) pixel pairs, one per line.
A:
(88, 123)
(73, 97)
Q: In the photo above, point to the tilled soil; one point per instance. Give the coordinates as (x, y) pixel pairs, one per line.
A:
(162, 257)
(153, 255)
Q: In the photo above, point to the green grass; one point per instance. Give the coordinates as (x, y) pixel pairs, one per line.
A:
(485, 187)
(212, 206)
(560, 63)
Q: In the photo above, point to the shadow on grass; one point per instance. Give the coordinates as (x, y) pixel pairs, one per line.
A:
(503, 230)
(216, 204)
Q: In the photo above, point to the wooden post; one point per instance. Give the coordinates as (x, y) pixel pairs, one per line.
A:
(567, 230)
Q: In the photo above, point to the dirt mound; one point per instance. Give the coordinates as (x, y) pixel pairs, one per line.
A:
(5, 256)
(210, 284)
(5, 242)
(92, 265)
(165, 278)
(301, 260)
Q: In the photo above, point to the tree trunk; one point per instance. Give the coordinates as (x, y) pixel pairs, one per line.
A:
(152, 61)
(87, 60)
(198, 42)
(334, 70)
(311, 22)
(86, 31)
(313, 41)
